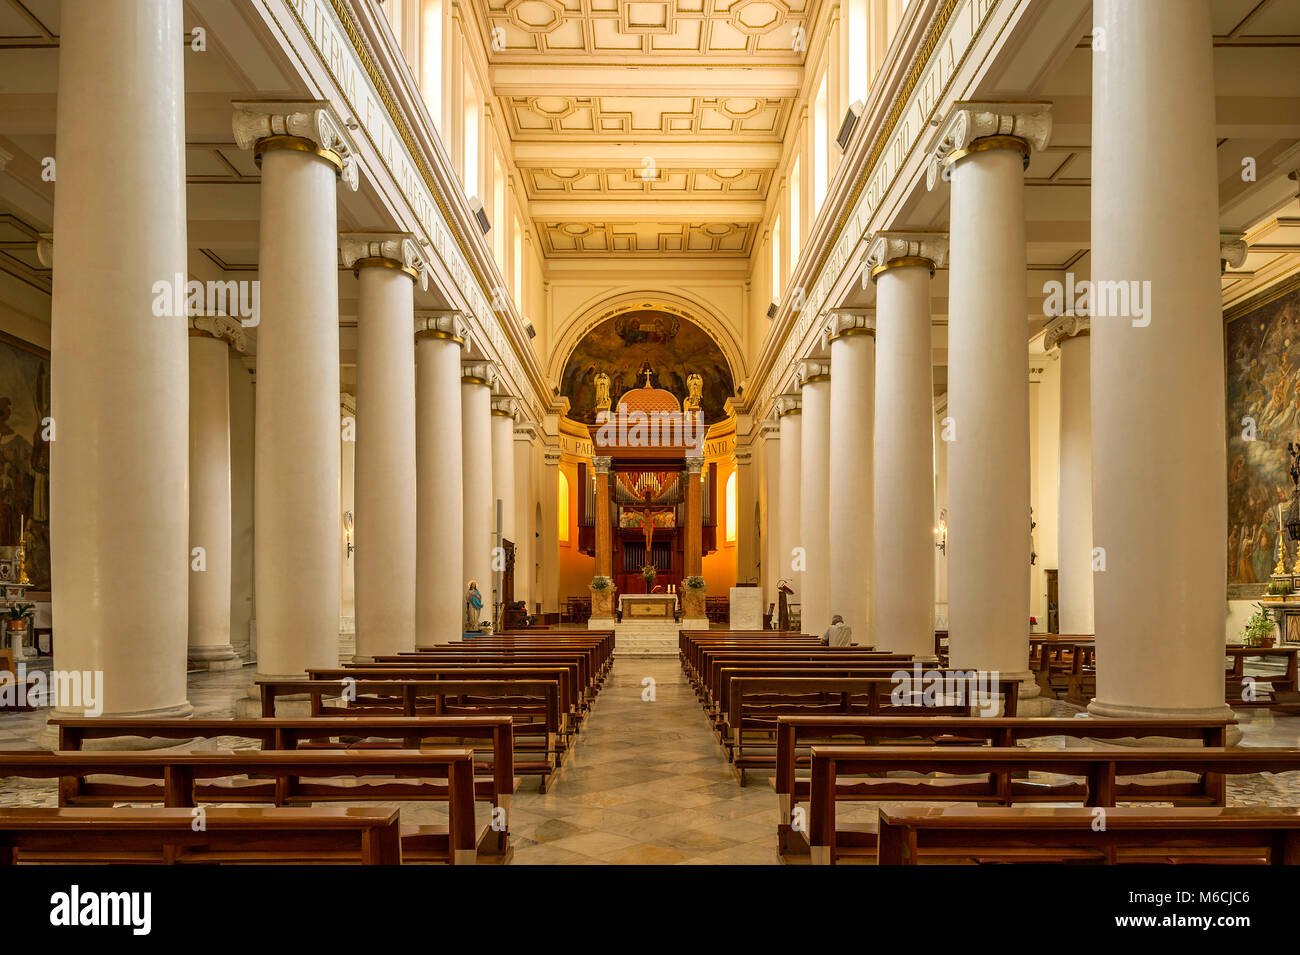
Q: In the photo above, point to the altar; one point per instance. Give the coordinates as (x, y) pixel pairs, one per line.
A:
(648, 606)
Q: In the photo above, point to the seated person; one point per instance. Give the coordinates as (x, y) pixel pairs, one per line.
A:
(838, 634)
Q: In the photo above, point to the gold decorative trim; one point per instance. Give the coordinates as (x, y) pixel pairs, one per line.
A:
(845, 333)
(437, 334)
(904, 262)
(788, 411)
(474, 380)
(986, 143)
(811, 379)
(296, 144)
(496, 413)
(379, 262)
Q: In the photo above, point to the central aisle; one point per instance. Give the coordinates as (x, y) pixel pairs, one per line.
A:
(646, 784)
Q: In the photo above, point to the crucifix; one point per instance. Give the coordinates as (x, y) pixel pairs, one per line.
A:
(648, 523)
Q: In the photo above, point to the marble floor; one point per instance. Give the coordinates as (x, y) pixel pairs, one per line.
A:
(647, 782)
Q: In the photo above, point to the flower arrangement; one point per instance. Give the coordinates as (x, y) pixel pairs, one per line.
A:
(1258, 631)
(601, 583)
(694, 582)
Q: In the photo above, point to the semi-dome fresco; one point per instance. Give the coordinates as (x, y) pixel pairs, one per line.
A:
(627, 345)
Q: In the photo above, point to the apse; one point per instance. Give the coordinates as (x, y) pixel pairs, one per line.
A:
(628, 345)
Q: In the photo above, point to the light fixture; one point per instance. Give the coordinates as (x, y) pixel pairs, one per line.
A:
(347, 531)
(476, 207)
(941, 533)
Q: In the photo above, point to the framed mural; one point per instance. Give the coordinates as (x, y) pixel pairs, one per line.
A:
(627, 345)
(24, 454)
(1262, 354)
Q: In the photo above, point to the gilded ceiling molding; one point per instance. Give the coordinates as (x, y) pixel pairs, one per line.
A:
(1066, 326)
(221, 327)
(969, 126)
(397, 250)
(261, 125)
(891, 250)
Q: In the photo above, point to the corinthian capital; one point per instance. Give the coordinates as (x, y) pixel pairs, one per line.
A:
(890, 250)
(222, 327)
(1067, 326)
(478, 373)
(259, 124)
(447, 325)
(397, 250)
(966, 122)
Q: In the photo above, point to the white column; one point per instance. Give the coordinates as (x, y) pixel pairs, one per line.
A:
(439, 526)
(387, 268)
(210, 341)
(984, 152)
(303, 153)
(119, 501)
(525, 515)
(504, 411)
(902, 265)
(771, 432)
(789, 413)
(814, 490)
(1074, 511)
(1157, 365)
(852, 395)
(549, 555)
(477, 378)
(747, 556)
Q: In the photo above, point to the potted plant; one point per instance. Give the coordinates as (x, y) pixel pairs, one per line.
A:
(602, 596)
(648, 574)
(693, 597)
(1258, 631)
(1278, 588)
(18, 615)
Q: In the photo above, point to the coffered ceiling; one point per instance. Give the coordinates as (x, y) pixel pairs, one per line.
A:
(655, 126)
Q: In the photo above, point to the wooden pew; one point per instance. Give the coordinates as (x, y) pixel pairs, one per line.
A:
(565, 677)
(290, 734)
(533, 706)
(999, 777)
(182, 780)
(1218, 836)
(167, 836)
(754, 705)
(1283, 685)
(581, 662)
(723, 666)
(795, 733)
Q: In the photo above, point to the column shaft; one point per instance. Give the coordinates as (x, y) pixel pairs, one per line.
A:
(119, 499)
(814, 491)
(694, 519)
(439, 536)
(788, 509)
(1157, 371)
(476, 477)
(296, 486)
(771, 555)
(503, 465)
(852, 395)
(904, 456)
(989, 404)
(1074, 537)
(210, 499)
(604, 533)
(385, 463)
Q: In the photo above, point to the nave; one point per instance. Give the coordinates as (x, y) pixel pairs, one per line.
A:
(646, 782)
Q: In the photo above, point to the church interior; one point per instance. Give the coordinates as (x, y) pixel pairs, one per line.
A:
(650, 432)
